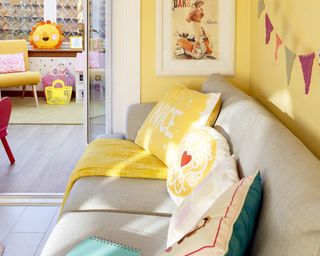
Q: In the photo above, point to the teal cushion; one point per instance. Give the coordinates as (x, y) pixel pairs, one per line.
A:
(244, 226)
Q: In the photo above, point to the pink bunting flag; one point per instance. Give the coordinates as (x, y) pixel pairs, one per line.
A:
(307, 64)
(278, 44)
(269, 29)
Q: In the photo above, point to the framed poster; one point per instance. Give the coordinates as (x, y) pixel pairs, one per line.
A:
(195, 37)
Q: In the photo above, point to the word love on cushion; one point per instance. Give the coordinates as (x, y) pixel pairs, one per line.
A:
(200, 152)
(179, 110)
(226, 229)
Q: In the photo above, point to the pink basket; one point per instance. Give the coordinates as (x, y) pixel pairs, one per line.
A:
(61, 73)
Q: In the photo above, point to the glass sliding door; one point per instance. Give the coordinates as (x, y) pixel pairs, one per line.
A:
(99, 68)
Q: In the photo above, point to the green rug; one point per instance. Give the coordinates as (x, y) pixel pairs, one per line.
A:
(24, 111)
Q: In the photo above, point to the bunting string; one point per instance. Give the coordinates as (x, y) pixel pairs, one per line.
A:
(306, 61)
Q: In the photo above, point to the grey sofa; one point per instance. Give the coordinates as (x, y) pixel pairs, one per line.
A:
(137, 212)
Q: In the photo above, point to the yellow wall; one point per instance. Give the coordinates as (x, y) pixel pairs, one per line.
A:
(256, 71)
(152, 86)
(297, 22)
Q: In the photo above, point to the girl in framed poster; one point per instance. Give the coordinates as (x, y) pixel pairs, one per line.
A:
(195, 37)
(195, 26)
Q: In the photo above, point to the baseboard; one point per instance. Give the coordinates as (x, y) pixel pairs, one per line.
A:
(27, 93)
(31, 199)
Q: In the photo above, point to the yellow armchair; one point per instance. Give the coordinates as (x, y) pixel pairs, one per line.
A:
(21, 78)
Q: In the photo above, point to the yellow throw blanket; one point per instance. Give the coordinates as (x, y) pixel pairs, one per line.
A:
(116, 158)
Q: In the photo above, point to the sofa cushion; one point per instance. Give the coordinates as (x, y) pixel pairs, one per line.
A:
(289, 224)
(11, 63)
(193, 208)
(121, 195)
(18, 79)
(227, 227)
(177, 111)
(200, 153)
(15, 46)
(147, 233)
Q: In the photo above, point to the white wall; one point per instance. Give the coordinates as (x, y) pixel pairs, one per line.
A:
(125, 60)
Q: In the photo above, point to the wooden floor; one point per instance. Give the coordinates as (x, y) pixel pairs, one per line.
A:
(45, 157)
(24, 230)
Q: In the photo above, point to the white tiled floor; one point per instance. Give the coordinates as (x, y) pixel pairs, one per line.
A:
(25, 229)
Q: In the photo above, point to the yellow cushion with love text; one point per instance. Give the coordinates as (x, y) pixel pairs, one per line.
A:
(179, 110)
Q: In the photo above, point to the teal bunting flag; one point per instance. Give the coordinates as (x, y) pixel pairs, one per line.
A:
(290, 58)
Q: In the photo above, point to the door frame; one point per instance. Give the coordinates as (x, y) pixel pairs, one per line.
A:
(126, 61)
(122, 82)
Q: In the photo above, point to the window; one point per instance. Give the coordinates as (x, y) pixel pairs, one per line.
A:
(17, 17)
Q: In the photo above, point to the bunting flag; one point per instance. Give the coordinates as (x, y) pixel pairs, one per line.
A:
(269, 29)
(278, 44)
(290, 58)
(305, 60)
(261, 7)
(307, 64)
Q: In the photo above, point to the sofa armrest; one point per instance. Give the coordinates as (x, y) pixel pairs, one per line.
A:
(136, 115)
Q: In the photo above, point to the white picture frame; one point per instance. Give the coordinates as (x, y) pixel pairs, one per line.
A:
(168, 65)
(76, 42)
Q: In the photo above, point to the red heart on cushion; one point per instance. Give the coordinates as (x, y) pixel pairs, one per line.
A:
(185, 158)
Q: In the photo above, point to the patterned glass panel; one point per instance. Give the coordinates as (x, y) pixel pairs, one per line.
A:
(19, 16)
(70, 14)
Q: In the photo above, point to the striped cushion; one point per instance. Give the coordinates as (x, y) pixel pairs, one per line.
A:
(12, 63)
(227, 228)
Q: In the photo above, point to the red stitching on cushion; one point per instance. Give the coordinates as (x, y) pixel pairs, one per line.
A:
(220, 223)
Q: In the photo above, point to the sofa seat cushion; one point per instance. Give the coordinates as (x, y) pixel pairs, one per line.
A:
(147, 233)
(120, 194)
(19, 79)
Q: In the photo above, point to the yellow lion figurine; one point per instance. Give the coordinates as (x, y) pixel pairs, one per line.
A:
(46, 35)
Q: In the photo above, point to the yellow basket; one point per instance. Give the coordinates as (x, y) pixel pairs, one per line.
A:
(58, 95)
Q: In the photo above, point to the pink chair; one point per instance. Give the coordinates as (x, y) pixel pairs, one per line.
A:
(5, 112)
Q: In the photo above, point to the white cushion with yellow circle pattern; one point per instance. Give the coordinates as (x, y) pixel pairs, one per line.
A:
(178, 110)
(200, 152)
